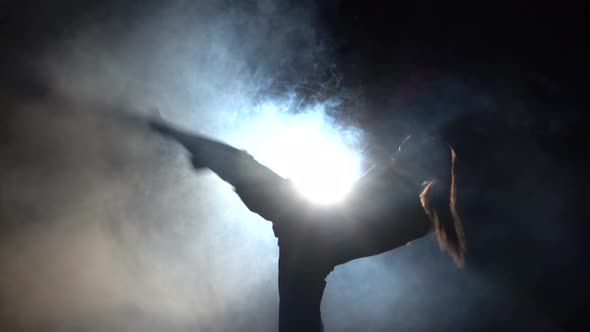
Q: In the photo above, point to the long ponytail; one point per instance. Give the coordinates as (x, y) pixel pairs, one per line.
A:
(439, 201)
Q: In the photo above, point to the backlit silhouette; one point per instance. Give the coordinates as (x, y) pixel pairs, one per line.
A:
(385, 209)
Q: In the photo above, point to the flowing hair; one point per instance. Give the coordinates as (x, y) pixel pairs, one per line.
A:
(439, 201)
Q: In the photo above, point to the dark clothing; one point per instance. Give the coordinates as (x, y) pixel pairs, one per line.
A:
(378, 216)
(381, 213)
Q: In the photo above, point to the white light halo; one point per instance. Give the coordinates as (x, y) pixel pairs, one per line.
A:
(304, 148)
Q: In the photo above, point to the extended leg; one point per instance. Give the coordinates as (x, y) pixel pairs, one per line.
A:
(261, 189)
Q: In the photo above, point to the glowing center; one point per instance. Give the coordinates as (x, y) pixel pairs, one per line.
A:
(306, 149)
(321, 166)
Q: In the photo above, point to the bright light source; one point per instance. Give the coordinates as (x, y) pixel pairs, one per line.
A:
(304, 148)
(318, 162)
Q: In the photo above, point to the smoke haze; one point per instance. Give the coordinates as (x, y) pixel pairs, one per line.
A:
(106, 228)
(105, 225)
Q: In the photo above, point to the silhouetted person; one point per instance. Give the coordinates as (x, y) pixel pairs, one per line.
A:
(385, 209)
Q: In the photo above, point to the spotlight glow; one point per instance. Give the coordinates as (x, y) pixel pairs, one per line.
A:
(305, 148)
(318, 162)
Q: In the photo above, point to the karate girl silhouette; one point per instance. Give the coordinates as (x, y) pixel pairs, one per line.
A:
(387, 208)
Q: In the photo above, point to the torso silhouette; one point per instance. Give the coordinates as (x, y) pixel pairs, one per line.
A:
(382, 212)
